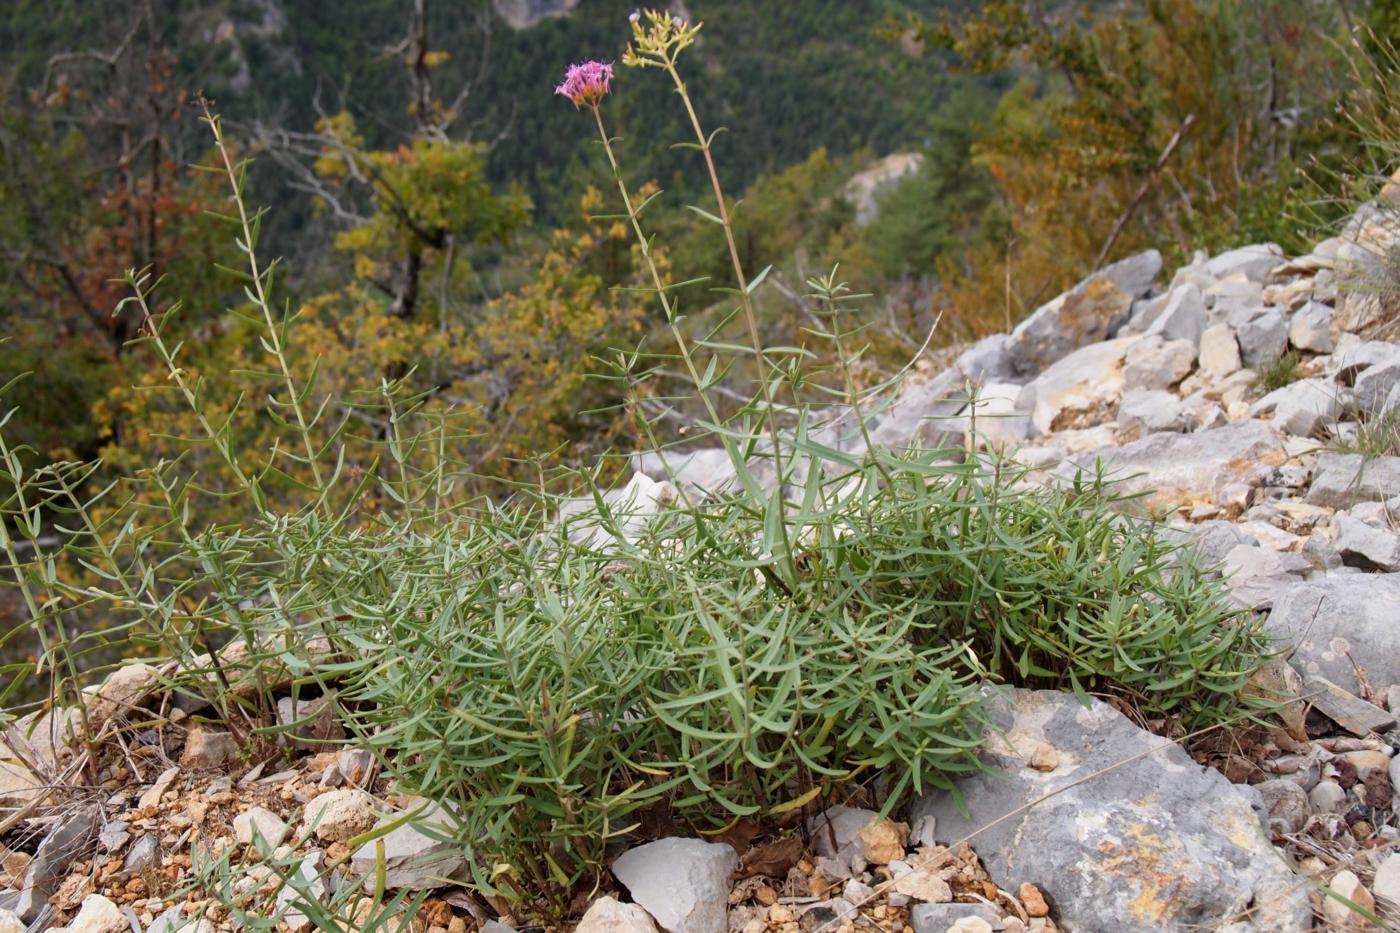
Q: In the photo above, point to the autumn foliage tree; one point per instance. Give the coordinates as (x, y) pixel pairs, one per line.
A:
(1176, 124)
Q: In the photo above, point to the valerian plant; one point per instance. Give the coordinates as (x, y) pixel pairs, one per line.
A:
(817, 620)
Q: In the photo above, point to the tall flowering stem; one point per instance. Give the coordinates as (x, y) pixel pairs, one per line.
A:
(586, 85)
(658, 44)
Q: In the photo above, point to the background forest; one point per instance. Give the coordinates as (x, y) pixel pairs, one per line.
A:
(439, 222)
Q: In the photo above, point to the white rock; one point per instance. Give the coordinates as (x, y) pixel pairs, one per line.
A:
(97, 915)
(339, 815)
(1310, 328)
(1153, 364)
(1220, 352)
(608, 915)
(682, 883)
(1256, 261)
(1340, 917)
(1328, 797)
(992, 417)
(9, 923)
(1387, 883)
(1374, 386)
(413, 860)
(120, 692)
(1147, 411)
(264, 822)
(1303, 408)
(312, 885)
(1082, 386)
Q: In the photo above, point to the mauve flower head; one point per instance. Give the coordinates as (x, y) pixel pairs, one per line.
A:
(587, 84)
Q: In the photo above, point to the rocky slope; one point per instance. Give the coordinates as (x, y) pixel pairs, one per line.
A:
(1084, 821)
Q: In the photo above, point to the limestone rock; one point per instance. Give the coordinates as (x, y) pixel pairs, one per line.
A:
(992, 417)
(119, 694)
(1183, 317)
(71, 840)
(1154, 844)
(143, 855)
(152, 795)
(1337, 614)
(682, 883)
(1374, 386)
(1179, 469)
(1311, 328)
(883, 841)
(1154, 364)
(413, 860)
(206, 749)
(1367, 546)
(1343, 480)
(97, 915)
(940, 918)
(1286, 805)
(1340, 917)
(1083, 315)
(1262, 338)
(608, 915)
(1303, 408)
(1079, 390)
(1220, 350)
(309, 884)
(1147, 411)
(1387, 883)
(259, 822)
(1256, 262)
(339, 815)
(1256, 576)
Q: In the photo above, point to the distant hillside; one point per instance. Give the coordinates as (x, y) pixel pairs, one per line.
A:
(789, 77)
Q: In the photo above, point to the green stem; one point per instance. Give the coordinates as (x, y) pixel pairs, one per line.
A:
(258, 275)
(746, 302)
(666, 305)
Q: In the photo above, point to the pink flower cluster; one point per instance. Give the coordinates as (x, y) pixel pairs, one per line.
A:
(586, 84)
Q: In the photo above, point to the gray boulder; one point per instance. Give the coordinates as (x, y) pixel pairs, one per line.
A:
(1210, 541)
(1343, 480)
(1337, 617)
(683, 883)
(1256, 576)
(1352, 358)
(1367, 546)
(1086, 314)
(1147, 843)
(987, 360)
(1263, 338)
(1183, 317)
(1303, 408)
(1374, 386)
